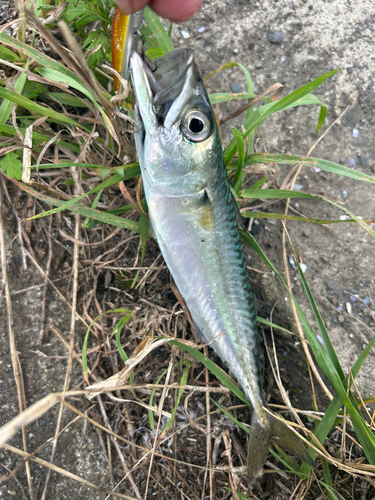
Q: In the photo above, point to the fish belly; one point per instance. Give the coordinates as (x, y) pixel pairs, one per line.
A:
(200, 242)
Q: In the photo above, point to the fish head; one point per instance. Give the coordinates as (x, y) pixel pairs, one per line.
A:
(177, 140)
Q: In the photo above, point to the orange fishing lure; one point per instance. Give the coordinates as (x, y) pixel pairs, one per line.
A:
(118, 39)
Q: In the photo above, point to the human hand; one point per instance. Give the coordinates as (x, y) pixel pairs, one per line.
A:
(177, 11)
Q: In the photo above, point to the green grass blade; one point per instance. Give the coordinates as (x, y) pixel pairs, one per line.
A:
(6, 106)
(114, 179)
(144, 231)
(151, 401)
(170, 30)
(231, 417)
(88, 222)
(241, 496)
(65, 98)
(327, 475)
(322, 117)
(274, 194)
(86, 339)
(105, 217)
(8, 55)
(37, 137)
(360, 221)
(319, 321)
(58, 76)
(269, 215)
(37, 55)
(158, 30)
(64, 164)
(264, 321)
(117, 332)
(37, 108)
(329, 418)
(238, 178)
(260, 183)
(214, 369)
(230, 65)
(183, 381)
(293, 99)
(325, 165)
(219, 97)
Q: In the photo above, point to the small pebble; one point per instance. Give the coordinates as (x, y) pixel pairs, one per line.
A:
(185, 34)
(355, 132)
(334, 301)
(342, 160)
(255, 229)
(339, 309)
(201, 29)
(317, 169)
(306, 234)
(348, 307)
(364, 162)
(292, 262)
(344, 194)
(275, 36)
(303, 267)
(340, 318)
(366, 300)
(235, 51)
(353, 298)
(351, 335)
(259, 65)
(282, 59)
(351, 162)
(236, 88)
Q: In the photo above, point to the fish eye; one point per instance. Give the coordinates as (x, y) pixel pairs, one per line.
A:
(196, 126)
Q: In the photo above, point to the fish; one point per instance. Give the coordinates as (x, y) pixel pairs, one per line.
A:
(193, 217)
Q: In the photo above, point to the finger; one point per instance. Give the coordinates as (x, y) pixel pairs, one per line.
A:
(131, 6)
(175, 10)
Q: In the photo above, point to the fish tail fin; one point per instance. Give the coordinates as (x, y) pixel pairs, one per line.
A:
(263, 431)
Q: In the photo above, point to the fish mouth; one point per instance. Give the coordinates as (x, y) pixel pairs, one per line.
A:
(168, 74)
(164, 87)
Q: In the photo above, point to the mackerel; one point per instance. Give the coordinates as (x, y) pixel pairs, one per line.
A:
(193, 218)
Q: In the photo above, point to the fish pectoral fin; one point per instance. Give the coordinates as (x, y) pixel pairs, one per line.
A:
(262, 434)
(199, 210)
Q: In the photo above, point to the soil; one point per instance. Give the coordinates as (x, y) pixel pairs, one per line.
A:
(291, 42)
